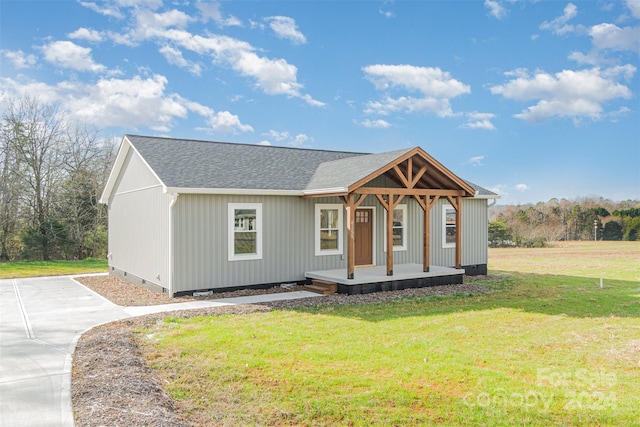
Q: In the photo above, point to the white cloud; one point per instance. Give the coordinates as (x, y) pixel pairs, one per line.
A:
(495, 9)
(127, 103)
(610, 36)
(285, 28)
(300, 139)
(569, 93)
(103, 9)
(278, 136)
(297, 141)
(500, 189)
(477, 120)
(19, 59)
(174, 56)
(149, 24)
(431, 81)
(264, 142)
(67, 54)
(386, 13)
(86, 34)
(559, 25)
(378, 124)
(212, 11)
(521, 187)
(634, 7)
(475, 161)
(273, 76)
(436, 86)
(225, 122)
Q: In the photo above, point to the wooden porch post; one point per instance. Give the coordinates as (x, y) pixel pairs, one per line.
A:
(459, 232)
(350, 204)
(389, 230)
(426, 246)
(389, 205)
(426, 206)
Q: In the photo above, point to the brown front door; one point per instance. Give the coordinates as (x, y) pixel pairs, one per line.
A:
(364, 237)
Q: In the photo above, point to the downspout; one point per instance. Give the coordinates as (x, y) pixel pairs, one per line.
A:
(174, 199)
(492, 204)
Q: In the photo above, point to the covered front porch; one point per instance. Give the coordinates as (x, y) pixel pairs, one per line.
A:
(376, 279)
(390, 178)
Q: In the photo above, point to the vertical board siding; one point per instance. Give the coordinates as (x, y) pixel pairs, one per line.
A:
(474, 234)
(288, 247)
(201, 232)
(138, 225)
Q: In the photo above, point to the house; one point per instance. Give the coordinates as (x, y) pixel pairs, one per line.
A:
(188, 215)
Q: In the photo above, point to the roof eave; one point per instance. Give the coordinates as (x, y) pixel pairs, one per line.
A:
(233, 191)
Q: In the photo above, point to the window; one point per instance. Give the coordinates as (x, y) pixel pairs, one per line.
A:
(328, 226)
(399, 228)
(245, 231)
(449, 228)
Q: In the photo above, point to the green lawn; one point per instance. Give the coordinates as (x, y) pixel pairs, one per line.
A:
(15, 269)
(539, 350)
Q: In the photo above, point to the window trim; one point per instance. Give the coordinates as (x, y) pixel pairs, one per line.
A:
(316, 230)
(446, 207)
(231, 231)
(403, 247)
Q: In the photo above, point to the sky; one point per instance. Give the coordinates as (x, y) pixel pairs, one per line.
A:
(531, 99)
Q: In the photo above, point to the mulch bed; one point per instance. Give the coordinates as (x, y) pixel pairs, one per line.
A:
(112, 385)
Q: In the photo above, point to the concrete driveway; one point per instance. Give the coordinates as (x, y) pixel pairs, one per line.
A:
(41, 320)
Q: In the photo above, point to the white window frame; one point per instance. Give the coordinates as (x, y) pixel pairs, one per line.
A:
(318, 209)
(446, 207)
(402, 247)
(231, 227)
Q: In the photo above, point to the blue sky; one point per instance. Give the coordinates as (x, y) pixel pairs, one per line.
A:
(532, 99)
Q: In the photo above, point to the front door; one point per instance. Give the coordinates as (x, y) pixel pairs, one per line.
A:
(364, 237)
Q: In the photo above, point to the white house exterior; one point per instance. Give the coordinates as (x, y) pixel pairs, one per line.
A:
(190, 215)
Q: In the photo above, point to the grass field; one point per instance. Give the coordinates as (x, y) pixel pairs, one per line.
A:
(16, 269)
(541, 349)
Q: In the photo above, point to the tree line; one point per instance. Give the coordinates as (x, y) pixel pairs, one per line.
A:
(52, 172)
(587, 218)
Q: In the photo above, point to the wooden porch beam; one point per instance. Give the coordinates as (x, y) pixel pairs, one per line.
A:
(409, 191)
(419, 175)
(404, 179)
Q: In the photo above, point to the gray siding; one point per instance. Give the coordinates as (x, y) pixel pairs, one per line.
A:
(200, 236)
(138, 225)
(474, 234)
(201, 233)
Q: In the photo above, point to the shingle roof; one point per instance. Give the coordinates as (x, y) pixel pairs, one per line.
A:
(338, 173)
(201, 164)
(194, 164)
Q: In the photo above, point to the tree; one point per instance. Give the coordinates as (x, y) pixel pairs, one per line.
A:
(51, 175)
(10, 189)
(87, 164)
(612, 231)
(33, 131)
(499, 235)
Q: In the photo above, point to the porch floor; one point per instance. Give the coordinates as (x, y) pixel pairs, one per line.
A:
(378, 274)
